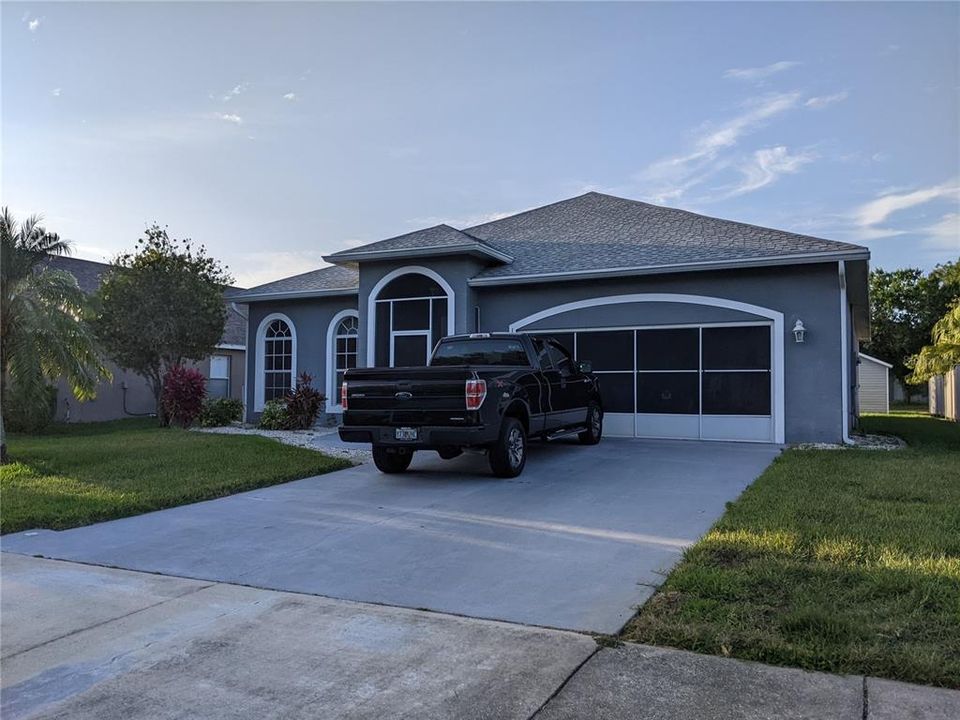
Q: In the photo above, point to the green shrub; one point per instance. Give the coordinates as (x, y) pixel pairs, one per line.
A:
(274, 415)
(21, 415)
(217, 412)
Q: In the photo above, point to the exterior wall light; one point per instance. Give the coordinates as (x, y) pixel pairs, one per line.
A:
(799, 331)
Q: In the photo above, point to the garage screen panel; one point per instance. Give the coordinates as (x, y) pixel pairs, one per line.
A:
(610, 352)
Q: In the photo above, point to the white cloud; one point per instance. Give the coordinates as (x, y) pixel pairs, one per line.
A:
(876, 211)
(944, 234)
(230, 117)
(767, 165)
(34, 24)
(822, 101)
(252, 269)
(759, 73)
(55, 92)
(290, 96)
(671, 177)
(237, 90)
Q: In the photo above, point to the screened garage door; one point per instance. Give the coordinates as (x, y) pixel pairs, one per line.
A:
(710, 382)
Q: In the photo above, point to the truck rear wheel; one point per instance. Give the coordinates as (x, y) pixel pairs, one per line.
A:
(391, 462)
(508, 456)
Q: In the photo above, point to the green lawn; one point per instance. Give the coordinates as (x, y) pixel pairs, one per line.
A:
(79, 474)
(845, 561)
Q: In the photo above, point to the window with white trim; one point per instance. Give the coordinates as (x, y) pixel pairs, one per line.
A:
(277, 360)
(344, 350)
(411, 317)
(218, 384)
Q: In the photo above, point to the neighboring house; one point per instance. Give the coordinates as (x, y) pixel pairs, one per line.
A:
(688, 320)
(129, 394)
(873, 384)
(945, 395)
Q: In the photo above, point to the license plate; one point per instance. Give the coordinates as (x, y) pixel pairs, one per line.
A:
(406, 433)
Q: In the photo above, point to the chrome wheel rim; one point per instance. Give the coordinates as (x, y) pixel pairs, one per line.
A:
(595, 421)
(515, 447)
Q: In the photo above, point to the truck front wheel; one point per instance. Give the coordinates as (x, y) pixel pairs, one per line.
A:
(509, 455)
(391, 462)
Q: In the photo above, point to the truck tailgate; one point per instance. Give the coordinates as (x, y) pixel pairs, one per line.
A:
(407, 396)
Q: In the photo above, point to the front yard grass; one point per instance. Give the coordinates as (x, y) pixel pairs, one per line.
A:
(80, 474)
(846, 561)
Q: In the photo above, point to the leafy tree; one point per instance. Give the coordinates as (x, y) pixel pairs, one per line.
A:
(904, 306)
(160, 306)
(42, 332)
(944, 353)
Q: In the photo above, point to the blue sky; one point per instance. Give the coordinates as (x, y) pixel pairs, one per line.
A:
(274, 133)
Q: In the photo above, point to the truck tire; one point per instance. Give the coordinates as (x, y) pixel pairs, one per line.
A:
(391, 462)
(594, 430)
(508, 456)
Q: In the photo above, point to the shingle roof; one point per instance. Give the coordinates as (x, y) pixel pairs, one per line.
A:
(332, 280)
(595, 232)
(429, 241)
(89, 275)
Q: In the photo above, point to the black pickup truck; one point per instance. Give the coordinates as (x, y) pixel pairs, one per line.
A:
(486, 391)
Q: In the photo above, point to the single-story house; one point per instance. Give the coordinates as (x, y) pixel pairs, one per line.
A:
(873, 384)
(129, 394)
(945, 395)
(697, 327)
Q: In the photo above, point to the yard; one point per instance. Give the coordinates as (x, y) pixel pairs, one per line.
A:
(843, 561)
(80, 474)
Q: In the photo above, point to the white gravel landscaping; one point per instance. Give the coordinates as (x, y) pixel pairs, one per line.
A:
(862, 441)
(322, 439)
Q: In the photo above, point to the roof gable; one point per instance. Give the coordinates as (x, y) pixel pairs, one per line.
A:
(437, 240)
(330, 280)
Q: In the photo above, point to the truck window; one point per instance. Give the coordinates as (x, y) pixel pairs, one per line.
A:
(543, 355)
(488, 351)
(560, 359)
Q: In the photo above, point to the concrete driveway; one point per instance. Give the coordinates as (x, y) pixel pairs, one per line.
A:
(576, 542)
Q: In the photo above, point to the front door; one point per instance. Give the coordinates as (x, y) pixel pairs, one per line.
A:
(409, 349)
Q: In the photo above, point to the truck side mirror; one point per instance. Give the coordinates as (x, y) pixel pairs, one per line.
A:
(585, 366)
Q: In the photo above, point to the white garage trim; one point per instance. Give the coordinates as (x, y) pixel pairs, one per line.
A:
(845, 355)
(372, 304)
(261, 335)
(776, 335)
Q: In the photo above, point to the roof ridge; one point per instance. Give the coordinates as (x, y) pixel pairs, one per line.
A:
(534, 209)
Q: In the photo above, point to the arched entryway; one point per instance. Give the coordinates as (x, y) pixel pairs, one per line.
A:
(408, 312)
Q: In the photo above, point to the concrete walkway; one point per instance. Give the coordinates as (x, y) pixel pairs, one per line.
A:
(90, 642)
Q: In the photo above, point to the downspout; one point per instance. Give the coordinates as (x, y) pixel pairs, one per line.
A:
(844, 355)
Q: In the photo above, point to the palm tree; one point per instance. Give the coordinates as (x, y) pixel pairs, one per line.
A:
(42, 333)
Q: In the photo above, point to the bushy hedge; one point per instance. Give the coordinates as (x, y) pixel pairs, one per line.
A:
(183, 392)
(217, 412)
(297, 411)
(21, 415)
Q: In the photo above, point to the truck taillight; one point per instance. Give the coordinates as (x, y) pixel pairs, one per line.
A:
(476, 393)
(343, 395)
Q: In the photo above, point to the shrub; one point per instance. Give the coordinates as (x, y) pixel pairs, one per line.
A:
(22, 415)
(303, 404)
(220, 411)
(274, 415)
(183, 392)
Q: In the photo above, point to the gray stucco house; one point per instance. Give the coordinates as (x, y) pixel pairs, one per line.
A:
(697, 327)
(128, 394)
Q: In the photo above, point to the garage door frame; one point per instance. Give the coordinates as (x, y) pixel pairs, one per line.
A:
(773, 317)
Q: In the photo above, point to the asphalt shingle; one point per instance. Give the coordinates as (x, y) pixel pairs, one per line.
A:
(331, 278)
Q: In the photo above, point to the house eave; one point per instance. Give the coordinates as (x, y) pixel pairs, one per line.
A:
(797, 259)
(366, 255)
(292, 295)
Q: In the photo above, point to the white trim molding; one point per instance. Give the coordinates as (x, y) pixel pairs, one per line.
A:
(845, 355)
(230, 346)
(372, 304)
(333, 399)
(776, 336)
(259, 369)
(871, 358)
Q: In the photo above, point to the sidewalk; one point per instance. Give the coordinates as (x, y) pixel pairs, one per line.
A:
(90, 642)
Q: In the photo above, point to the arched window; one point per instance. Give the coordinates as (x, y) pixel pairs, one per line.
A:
(411, 317)
(344, 351)
(277, 360)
